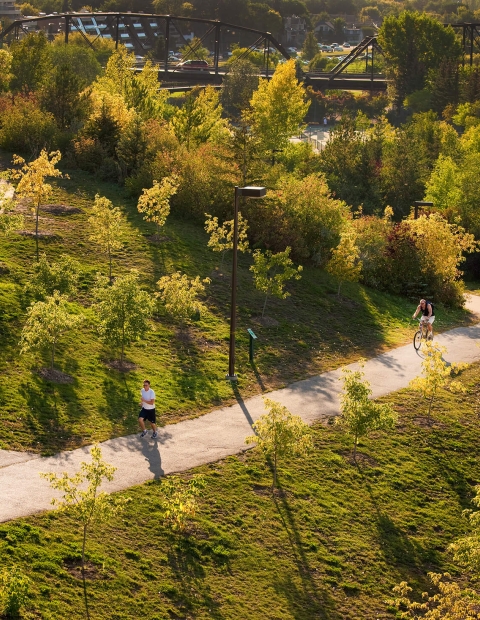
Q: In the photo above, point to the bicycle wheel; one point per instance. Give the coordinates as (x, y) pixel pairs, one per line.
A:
(417, 340)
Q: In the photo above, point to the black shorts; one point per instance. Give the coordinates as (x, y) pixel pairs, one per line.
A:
(148, 414)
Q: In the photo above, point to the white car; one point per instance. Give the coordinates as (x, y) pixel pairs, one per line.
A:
(346, 45)
(337, 48)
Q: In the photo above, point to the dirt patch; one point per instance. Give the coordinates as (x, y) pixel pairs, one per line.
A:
(265, 321)
(4, 270)
(157, 239)
(425, 422)
(364, 460)
(54, 375)
(266, 491)
(61, 209)
(41, 234)
(74, 567)
(124, 366)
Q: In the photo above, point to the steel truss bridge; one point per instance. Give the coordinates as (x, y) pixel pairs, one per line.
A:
(163, 35)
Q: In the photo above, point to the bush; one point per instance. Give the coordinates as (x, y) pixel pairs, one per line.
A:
(26, 129)
(15, 591)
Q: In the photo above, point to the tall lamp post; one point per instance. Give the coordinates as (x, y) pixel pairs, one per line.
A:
(248, 192)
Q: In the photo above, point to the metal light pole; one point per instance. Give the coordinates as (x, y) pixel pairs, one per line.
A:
(248, 192)
(418, 204)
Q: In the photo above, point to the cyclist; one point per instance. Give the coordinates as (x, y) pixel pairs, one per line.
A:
(428, 315)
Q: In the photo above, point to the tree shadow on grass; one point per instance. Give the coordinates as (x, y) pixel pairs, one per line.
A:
(185, 561)
(307, 601)
(120, 405)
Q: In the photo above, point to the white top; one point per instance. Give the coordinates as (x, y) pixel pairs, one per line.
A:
(147, 395)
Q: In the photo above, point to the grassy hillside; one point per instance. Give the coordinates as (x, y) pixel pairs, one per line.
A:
(308, 333)
(330, 545)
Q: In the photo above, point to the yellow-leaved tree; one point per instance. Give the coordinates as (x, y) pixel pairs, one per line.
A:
(221, 237)
(155, 201)
(106, 227)
(437, 374)
(180, 294)
(31, 181)
(84, 501)
(277, 108)
(180, 500)
(345, 264)
(279, 433)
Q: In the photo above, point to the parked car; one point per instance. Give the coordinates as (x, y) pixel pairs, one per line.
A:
(346, 45)
(325, 48)
(193, 65)
(337, 48)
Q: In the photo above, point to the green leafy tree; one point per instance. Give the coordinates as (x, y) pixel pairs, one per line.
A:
(122, 311)
(345, 264)
(5, 68)
(31, 182)
(30, 63)
(414, 44)
(359, 415)
(272, 271)
(180, 500)
(61, 276)
(200, 120)
(279, 434)
(14, 591)
(278, 108)
(132, 146)
(78, 55)
(61, 95)
(106, 228)
(180, 294)
(238, 86)
(155, 201)
(83, 500)
(194, 49)
(436, 374)
(47, 321)
(221, 237)
(310, 46)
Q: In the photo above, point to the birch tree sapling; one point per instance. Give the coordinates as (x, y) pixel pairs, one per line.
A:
(280, 434)
(221, 237)
(359, 415)
(272, 271)
(31, 181)
(46, 322)
(180, 294)
(106, 228)
(61, 276)
(155, 201)
(345, 264)
(436, 374)
(122, 311)
(83, 500)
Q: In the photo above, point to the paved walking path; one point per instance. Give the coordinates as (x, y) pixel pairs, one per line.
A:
(218, 434)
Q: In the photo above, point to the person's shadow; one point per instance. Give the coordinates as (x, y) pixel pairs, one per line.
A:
(151, 452)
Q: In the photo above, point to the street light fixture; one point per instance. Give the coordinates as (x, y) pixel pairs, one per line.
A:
(249, 192)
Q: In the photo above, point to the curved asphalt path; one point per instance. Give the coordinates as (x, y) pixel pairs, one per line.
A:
(217, 434)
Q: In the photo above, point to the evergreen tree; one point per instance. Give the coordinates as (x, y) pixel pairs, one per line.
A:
(310, 46)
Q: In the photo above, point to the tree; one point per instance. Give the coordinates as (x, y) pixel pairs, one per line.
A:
(29, 63)
(155, 201)
(122, 310)
(345, 264)
(279, 434)
(61, 276)
(238, 86)
(132, 146)
(46, 323)
(358, 414)
(180, 501)
(467, 548)
(310, 46)
(5, 67)
(272, 271)
(31, 181)
(437, 374)
(61, 95)
(83, 500)
(9, 221)
(414, 44)
(179, 294)
(278, 108)
(200, 120)
(221, 237)
(194, 49)
(106, 227)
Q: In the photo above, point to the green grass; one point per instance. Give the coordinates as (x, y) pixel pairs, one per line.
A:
(316, 331)
(330, 546)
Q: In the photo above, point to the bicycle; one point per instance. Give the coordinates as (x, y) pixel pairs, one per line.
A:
(422, 333)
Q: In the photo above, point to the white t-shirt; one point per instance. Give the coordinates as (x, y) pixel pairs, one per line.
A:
(147, 395)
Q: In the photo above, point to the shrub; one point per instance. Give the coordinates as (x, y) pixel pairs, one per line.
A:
(15, 591)
(26, 129)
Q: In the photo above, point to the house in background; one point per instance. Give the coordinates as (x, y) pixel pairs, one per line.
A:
(9, 10)
(295, 31)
